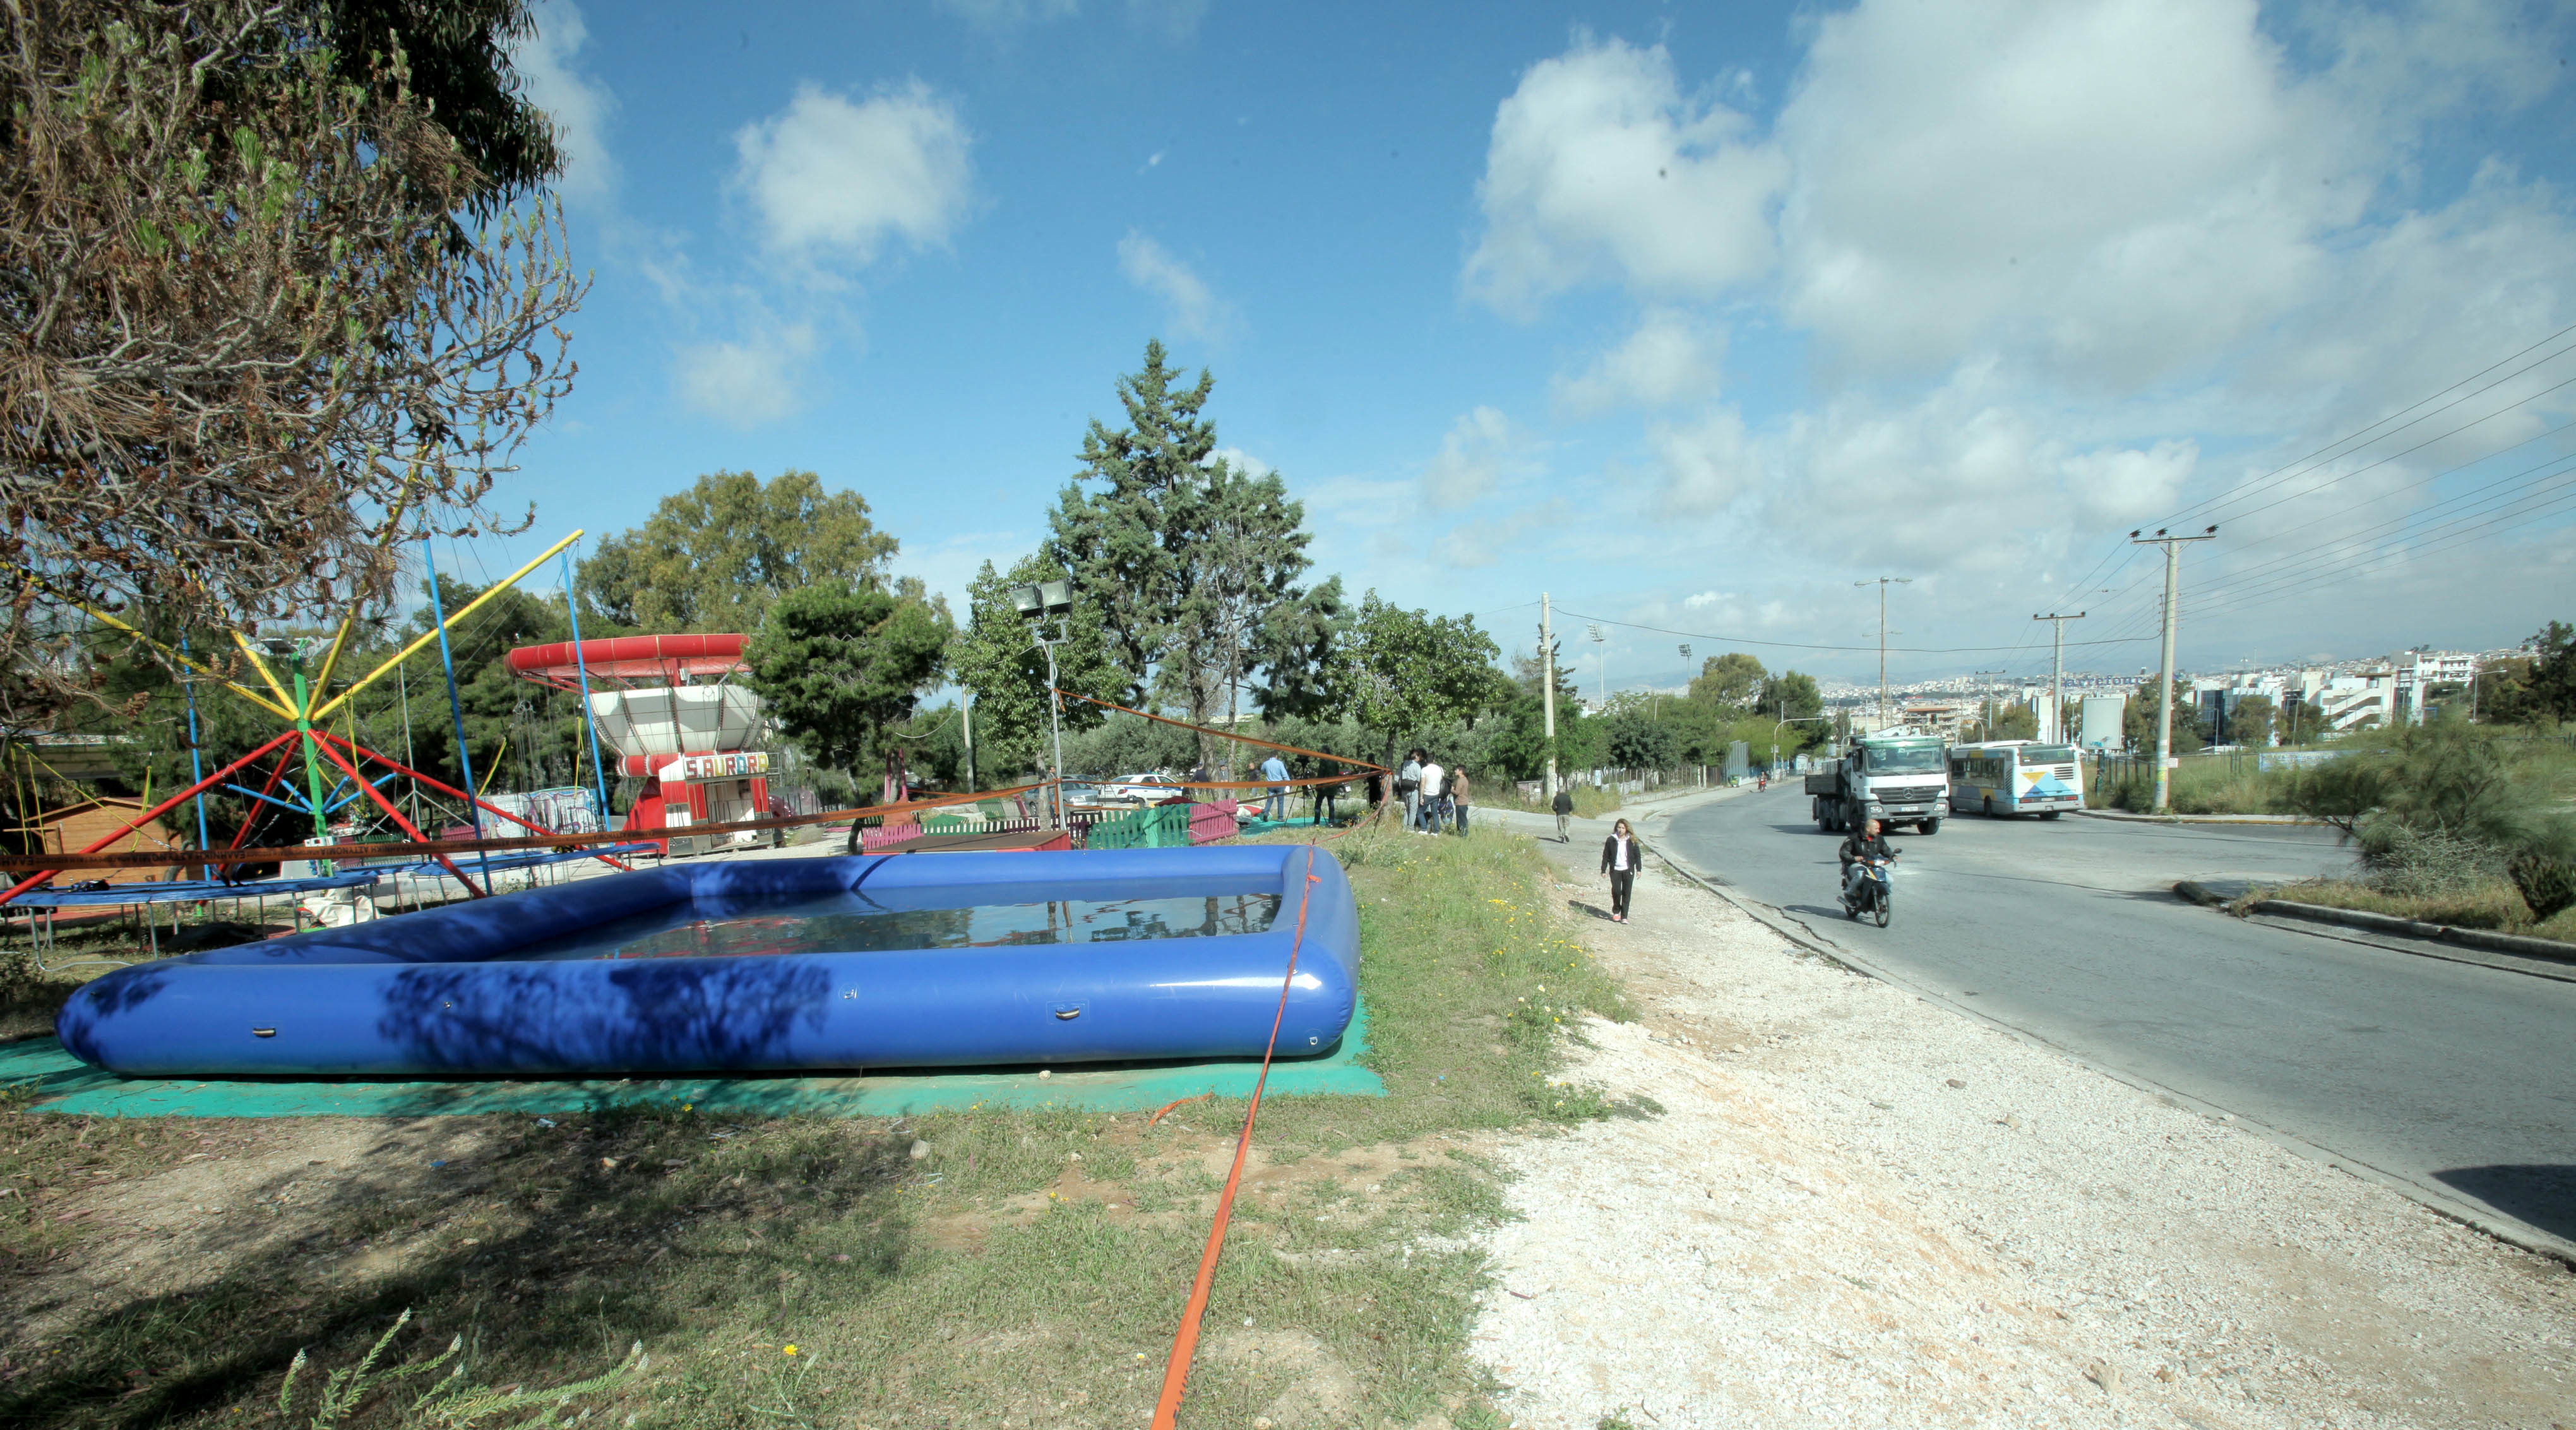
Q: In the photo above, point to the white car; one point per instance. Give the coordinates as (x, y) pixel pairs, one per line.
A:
(1147, 788)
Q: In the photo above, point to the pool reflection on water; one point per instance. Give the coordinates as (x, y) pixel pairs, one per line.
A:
(843, 923)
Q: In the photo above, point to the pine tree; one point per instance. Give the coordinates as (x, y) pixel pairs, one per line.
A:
(1193, 563)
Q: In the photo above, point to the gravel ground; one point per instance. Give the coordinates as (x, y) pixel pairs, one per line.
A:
(1860, 1209)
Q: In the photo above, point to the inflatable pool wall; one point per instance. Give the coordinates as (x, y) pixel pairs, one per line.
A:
(439, 993)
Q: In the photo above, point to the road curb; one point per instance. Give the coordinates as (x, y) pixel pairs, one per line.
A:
(2123, 816)
(2440, 1203)
(2545, 950)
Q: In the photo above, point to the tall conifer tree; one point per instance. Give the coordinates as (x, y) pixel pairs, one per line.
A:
(1193, 563)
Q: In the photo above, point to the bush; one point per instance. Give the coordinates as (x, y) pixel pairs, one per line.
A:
(2547, 885)
(2418, 863)
(2439, 806)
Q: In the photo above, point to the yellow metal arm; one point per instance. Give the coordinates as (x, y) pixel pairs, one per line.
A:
(425, 637)
(245, 692)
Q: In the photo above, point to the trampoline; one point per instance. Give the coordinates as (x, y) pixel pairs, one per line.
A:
(841, 963)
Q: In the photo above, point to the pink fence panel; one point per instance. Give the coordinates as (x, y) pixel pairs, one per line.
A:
(1211, 822)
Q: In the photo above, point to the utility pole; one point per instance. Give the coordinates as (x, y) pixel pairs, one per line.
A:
(1986, 698)
(1547, 686)
(1882, 583)
(2057, 677)
(2164, 692)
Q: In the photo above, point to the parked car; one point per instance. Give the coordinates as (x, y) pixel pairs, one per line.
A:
(1146, 788)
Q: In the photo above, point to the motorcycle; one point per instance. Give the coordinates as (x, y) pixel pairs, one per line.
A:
(1873, 894)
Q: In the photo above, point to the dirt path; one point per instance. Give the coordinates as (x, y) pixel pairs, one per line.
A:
(1860, 1209)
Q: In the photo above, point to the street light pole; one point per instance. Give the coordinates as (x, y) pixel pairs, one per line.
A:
(2164, 694)
(1882, 582)
(1038, 604)
(2057, 677)
(1775, 734)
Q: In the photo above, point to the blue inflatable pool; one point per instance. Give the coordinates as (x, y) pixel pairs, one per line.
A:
(888, 961)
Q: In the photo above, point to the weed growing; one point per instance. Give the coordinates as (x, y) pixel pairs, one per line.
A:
(2490, 902)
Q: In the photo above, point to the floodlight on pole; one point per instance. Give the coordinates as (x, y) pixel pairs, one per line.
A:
(1037, 604)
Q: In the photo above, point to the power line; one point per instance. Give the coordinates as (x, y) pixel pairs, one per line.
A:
(1811, 645)
(2356, 437)
(2457, 508)
(2418, 447)
(2423, 482)
(2561, 496)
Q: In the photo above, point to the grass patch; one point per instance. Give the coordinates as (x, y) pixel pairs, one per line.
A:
(2215, 784)
(30, 996)
(1026, 1267)
(2490, 903)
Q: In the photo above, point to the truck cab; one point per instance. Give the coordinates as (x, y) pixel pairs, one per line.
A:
(1895, 779)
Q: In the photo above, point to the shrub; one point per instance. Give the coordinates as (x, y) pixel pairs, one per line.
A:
(2415, 863)
(2547, 885)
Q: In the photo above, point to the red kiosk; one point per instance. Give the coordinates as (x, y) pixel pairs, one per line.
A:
(669, 707)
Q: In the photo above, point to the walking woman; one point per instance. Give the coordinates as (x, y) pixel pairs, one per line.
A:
(1621, 855)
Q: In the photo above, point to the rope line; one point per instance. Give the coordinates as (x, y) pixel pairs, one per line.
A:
(1185, 1342)
(1227, 734)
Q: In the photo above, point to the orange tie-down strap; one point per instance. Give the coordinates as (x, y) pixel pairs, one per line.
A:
(1222, 735)
(1185, 1341)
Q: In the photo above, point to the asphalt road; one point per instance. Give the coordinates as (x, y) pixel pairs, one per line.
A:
(2451, 1077)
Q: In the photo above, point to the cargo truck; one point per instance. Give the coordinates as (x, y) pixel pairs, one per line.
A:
(1894, 779)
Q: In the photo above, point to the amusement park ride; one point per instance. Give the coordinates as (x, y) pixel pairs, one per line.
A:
(676, 721)
(334, 765)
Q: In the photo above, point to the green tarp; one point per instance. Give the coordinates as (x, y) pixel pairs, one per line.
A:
(63, 1083)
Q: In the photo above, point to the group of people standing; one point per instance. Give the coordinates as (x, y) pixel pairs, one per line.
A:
(1435, 799)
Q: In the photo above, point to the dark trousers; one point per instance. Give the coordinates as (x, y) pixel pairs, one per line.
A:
(1621, 881)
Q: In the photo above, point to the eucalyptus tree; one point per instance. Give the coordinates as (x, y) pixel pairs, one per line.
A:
(717, 556)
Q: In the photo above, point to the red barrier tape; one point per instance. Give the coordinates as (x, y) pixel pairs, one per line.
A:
(1185, 1343)
(190, 858)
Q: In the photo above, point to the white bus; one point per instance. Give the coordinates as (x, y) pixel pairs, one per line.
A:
(2016, 777)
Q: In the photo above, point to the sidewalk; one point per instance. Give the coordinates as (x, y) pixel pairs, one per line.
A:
(1855, 1207)
(1640, 814)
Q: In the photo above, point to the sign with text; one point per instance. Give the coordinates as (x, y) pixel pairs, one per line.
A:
(732, 764)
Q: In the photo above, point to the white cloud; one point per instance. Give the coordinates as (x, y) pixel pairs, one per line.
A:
(1170, 19)
(1191, 309)
(1671, 356)
(830, 178)
(579, 104)
(1707, 463)
(1010, 14)
(1481, 449)
(2045, 272)
(1244, 462)
(749, 382)
(948, 566)
(1600, 166)
(2129, 186)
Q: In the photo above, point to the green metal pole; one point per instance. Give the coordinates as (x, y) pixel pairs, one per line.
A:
(312, 761)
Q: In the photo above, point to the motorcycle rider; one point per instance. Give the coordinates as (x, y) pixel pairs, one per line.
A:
(1863, 844)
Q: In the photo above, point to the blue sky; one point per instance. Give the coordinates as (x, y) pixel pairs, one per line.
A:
(1692, 316)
